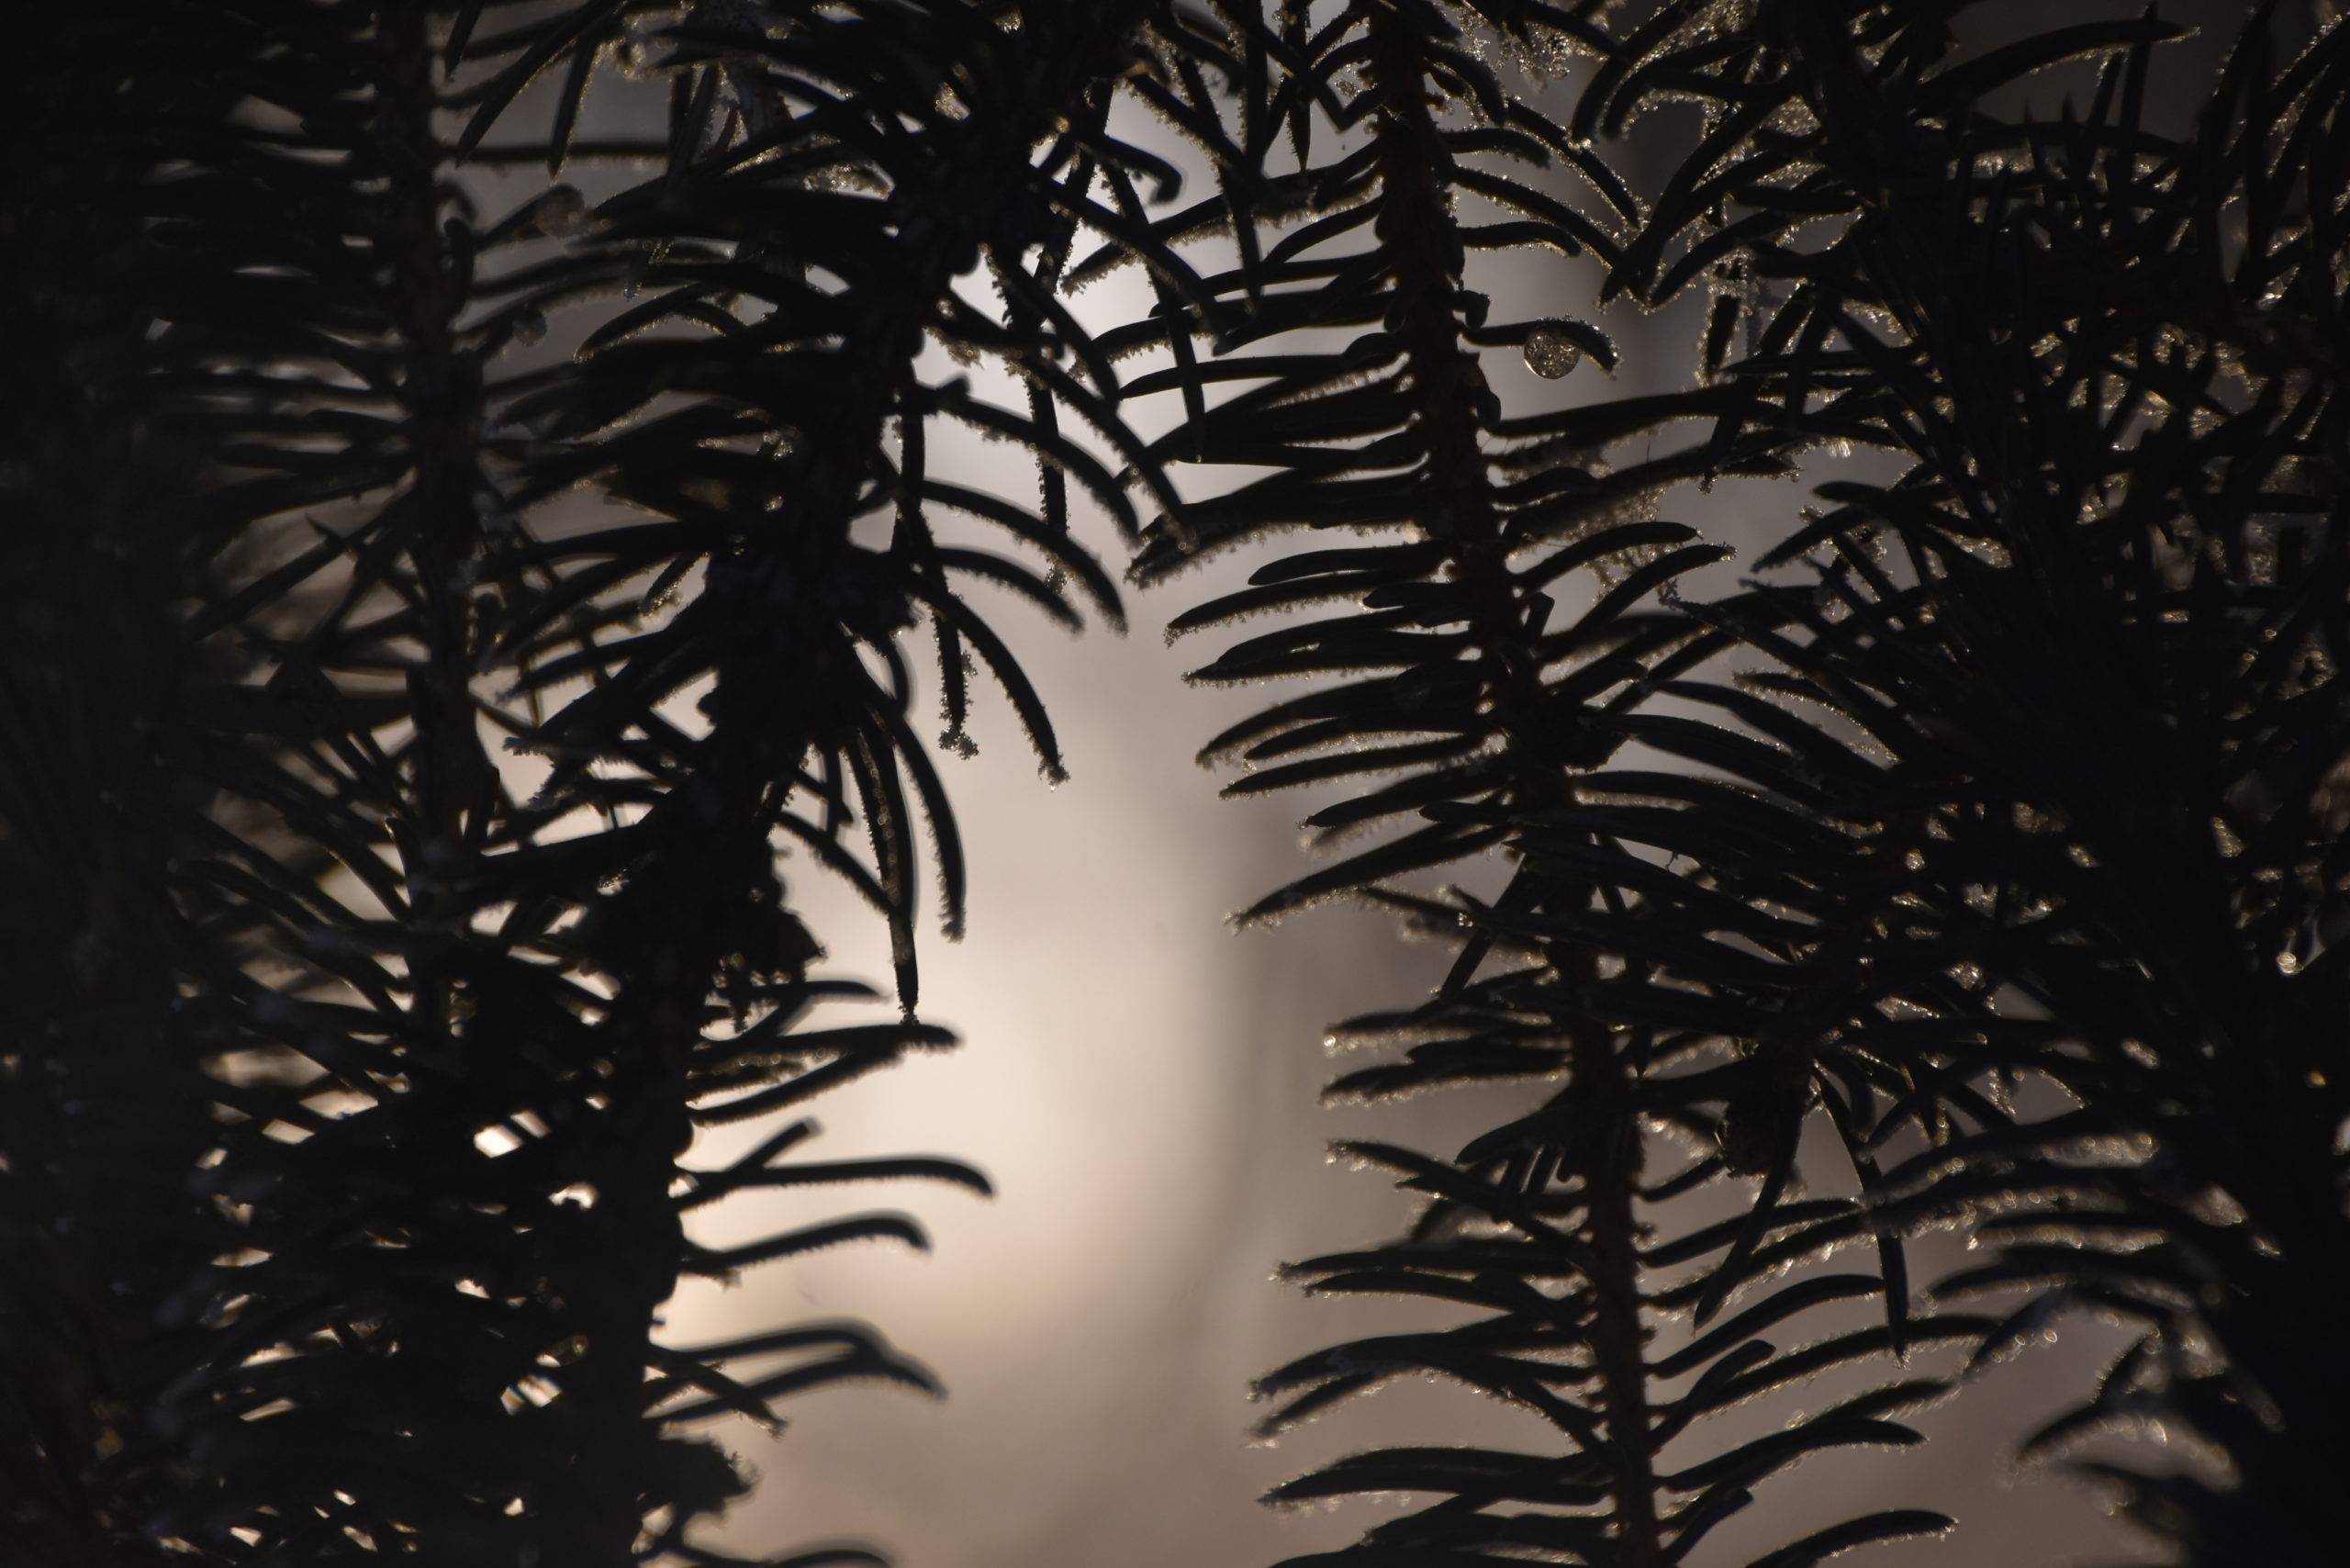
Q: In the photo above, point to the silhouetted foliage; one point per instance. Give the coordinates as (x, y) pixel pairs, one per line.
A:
(455, 1040)
(1480, 687)
(1994, 826)
(2032, 785)
(2066, 697)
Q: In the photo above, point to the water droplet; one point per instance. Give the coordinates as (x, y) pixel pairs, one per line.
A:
(1549, 353)
(530, 327)
(563, 212)
(2289, 962)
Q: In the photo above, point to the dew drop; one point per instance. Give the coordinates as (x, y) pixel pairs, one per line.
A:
(563, 212)
(530, 327)
(1549, 353)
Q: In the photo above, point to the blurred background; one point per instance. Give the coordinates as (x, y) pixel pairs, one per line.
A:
(1141, 1085)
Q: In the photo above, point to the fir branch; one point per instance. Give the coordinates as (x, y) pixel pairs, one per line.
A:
(1443, 643)
(2068, 738)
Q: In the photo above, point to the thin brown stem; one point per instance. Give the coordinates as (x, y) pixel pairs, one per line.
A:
(1418, 228)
